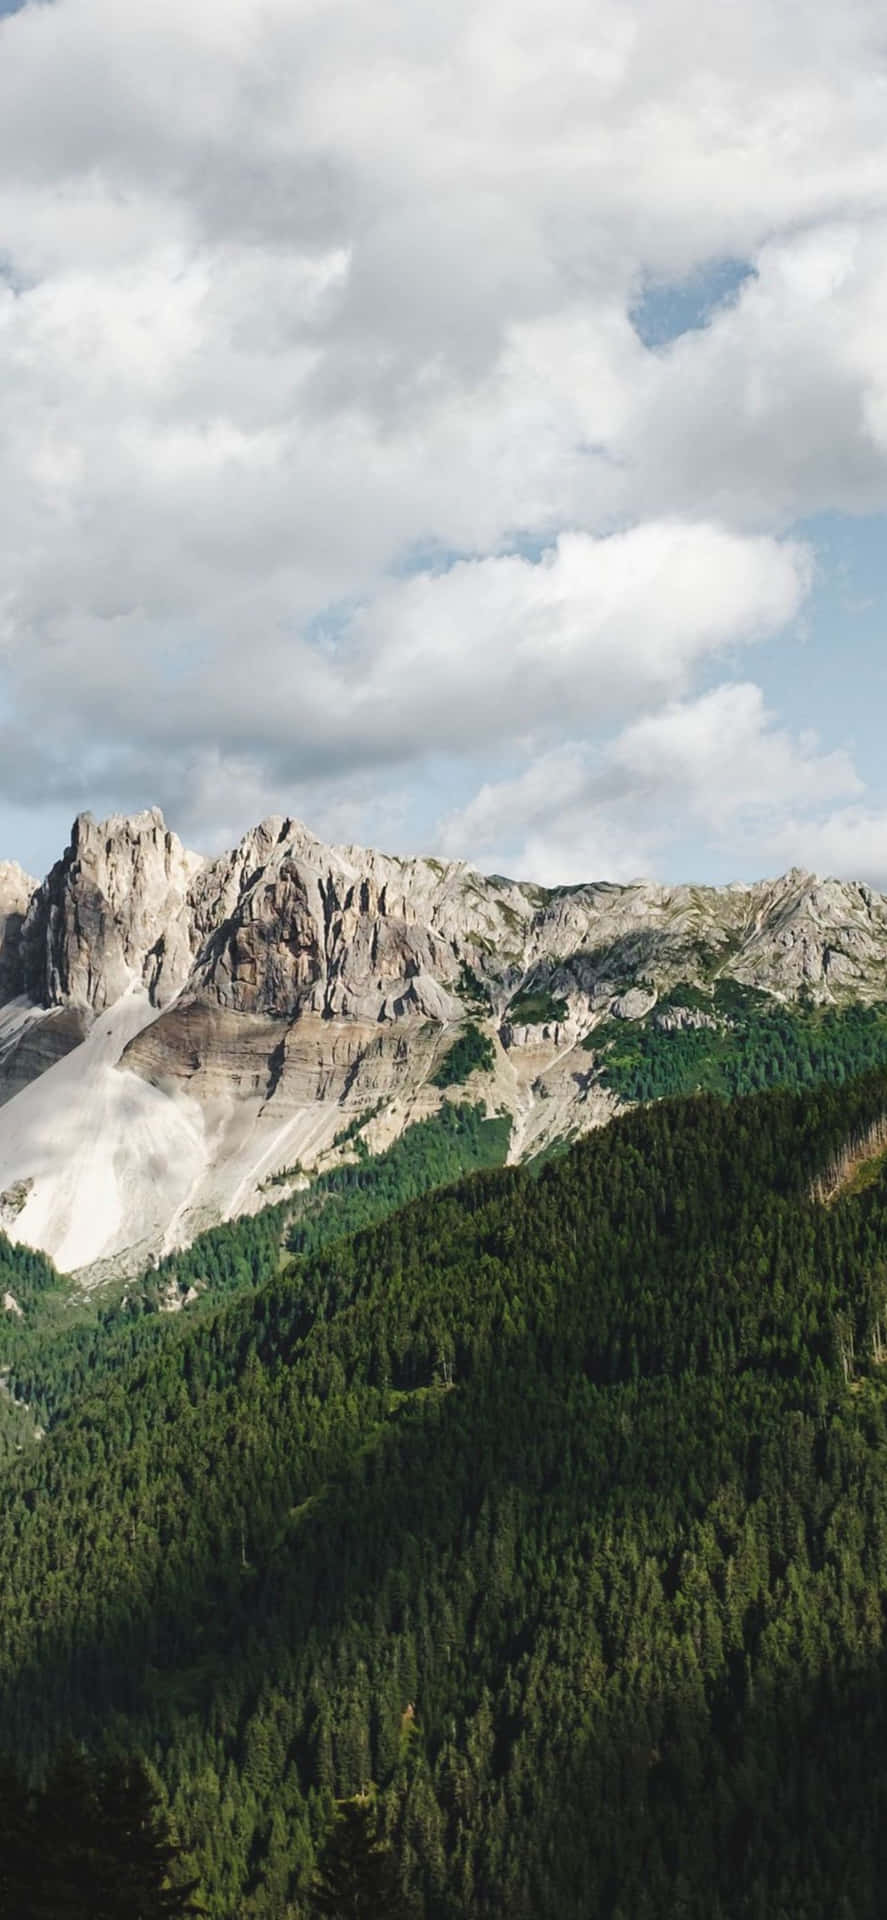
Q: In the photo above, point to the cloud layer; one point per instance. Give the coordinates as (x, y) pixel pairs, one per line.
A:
(329, 449)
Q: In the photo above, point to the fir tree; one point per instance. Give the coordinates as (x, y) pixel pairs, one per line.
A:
(356, 1875)
(137, 1865)
(92, 1846)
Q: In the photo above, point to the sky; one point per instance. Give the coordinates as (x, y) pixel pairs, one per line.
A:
(464, 428)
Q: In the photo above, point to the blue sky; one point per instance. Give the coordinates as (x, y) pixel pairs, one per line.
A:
(665, 310)
(464, 429)
(835, 679)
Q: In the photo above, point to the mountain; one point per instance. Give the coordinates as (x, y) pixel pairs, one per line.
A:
(551, 1512)
(177, 1032)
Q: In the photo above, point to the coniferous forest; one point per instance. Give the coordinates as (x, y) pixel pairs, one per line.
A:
(745, 1041)
(524, 1552)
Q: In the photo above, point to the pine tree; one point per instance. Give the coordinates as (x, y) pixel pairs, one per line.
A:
(137, 1861)
(95, 1847)
(356, 1875)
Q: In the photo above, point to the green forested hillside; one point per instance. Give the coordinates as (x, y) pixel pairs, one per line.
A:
(555, 1510)
(61, 1343)
(746, 1041)
(28, 1283)
(458, 1139)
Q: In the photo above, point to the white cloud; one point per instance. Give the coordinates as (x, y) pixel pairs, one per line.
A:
(728, 761)
(716, 767)
(517, 648)
(849, 841)
(779, 406)
(552, 822)
(500, 648)
(290, 293)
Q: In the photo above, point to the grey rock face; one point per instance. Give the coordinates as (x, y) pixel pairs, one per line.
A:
(255, 999)
(17, 890)
(37, 1046)
(634, 1004)
(684, 1020)
(112, 911)
(285, 926)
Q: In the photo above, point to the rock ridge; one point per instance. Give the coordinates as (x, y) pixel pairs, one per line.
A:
(213, 1018)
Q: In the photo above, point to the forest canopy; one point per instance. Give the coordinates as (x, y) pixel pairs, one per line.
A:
(551, 1513)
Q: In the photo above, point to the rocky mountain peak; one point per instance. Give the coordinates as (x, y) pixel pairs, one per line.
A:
(112, 911)
(206, 1022)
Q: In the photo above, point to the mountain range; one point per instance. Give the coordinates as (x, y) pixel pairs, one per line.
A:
(178, 1034)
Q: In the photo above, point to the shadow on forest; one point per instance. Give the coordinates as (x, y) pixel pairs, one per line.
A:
(731, 1800)
(627, 1570)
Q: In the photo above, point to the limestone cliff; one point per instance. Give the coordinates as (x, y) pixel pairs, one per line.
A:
(114, 909)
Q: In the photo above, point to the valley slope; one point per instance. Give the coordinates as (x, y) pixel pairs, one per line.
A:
(550, 1511)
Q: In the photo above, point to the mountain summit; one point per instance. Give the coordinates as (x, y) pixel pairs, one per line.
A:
(175, 1030)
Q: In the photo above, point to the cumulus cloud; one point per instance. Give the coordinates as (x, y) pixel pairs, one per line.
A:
(327, 443)
(503, 647)
(849, 841)
(779, 405)
(717, 764)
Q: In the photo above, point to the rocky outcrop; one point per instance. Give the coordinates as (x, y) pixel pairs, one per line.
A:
(685, 1020)
(290, 925)
(634, 1004)
(35, 1045)
(113, 910)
